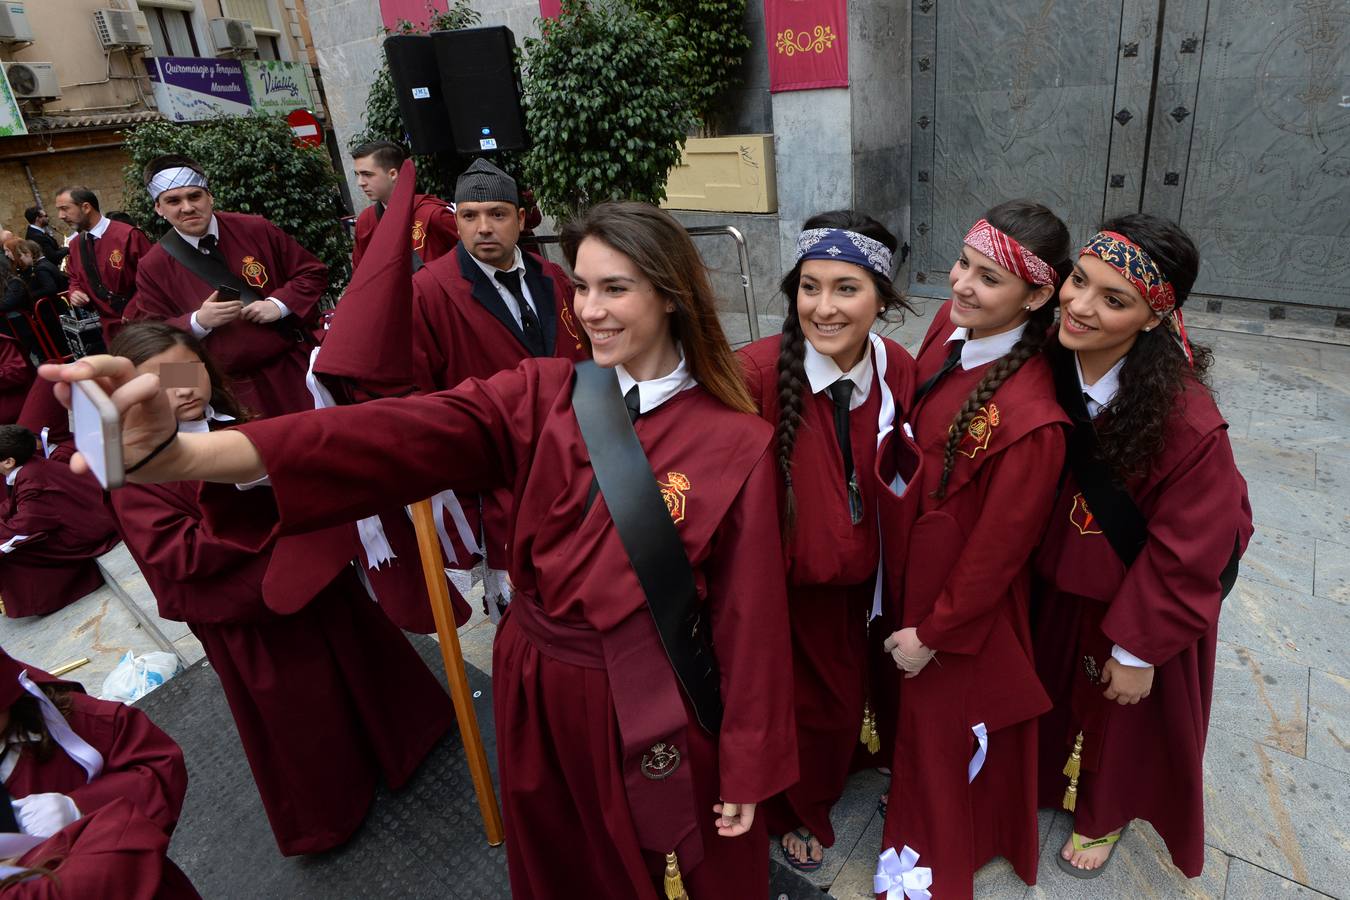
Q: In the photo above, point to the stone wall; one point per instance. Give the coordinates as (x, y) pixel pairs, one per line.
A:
(99, 170)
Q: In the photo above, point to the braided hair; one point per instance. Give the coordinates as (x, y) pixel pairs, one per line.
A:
(792, 380)
(1043, 233)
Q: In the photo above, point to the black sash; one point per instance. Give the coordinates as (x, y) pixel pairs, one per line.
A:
(1122, 522)
(90, 266)
(649, 537)
(207, 268)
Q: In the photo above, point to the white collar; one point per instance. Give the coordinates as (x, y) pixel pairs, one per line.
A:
(202, 425)
(822, 371)
(653, 393)
(979, 351)
(98, 230)
(13, 474)
(212, 228)
(491, 271)
(1104, 390)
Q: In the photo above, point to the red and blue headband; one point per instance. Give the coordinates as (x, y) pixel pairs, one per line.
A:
(1003, 249)
(845, 246)
(1139, 269)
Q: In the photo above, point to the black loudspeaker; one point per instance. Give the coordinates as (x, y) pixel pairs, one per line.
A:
(481, 88)
(421, 99)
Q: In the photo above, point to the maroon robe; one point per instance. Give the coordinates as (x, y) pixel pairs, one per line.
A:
(44, 415)
(55, 525)
(570, 830)
(966, 587)
(325, 699)
(266, 364)
(141, 764)
(831, 573)
(1143, 761)
(16, 378)
(115, 852)
(116, 256)
(462, 329)
(434, 232)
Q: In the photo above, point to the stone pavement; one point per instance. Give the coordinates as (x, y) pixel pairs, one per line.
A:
(1278, 760)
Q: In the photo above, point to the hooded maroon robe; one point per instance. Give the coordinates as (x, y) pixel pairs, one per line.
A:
(433, 229)
(831, 574)
(42, 412)
(266, 364)
(325, 699)
(462, 329)
(115, 852)
(1146, 760)
(570, 830)
(116, 256)
(966, 588)
(16, 378)
(56, 526)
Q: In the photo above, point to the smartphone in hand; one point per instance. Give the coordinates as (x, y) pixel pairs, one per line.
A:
(226, 293)
(98, 433)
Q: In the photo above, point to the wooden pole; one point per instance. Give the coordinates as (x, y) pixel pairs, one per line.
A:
(429, 547)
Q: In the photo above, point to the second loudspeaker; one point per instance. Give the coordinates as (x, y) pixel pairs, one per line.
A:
(481, 88)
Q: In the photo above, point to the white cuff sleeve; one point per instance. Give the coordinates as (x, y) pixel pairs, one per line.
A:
(1126, 658)
(285, 310)
(198, 329)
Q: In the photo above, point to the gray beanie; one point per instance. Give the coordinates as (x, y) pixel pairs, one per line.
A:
(483, 182)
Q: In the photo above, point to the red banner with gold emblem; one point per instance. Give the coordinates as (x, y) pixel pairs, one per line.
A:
(807, 44)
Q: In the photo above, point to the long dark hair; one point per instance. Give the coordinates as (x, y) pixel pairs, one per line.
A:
(1131, 433)
(662, 250)
(792, 381)
(142, 340)
(1042, 232)
(25, 717)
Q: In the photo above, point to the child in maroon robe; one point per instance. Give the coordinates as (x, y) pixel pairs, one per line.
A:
(986, 420)
(16, 378)
(1126, 646)
(263, 346)
(609, 783)
(840, 285)
(311, 691)
(53, 527)
(65, 756)
(44, 415)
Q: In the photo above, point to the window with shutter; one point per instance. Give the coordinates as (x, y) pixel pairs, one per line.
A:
(258, 12)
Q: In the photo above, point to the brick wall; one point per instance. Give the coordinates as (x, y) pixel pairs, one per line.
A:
(99, 170)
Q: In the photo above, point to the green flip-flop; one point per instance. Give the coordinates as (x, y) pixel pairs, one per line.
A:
(1080, 844)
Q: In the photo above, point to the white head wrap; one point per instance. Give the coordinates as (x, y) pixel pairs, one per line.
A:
(168, 179)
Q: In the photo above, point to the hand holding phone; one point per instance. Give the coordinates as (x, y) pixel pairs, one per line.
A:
(221, 308)
(98, 433)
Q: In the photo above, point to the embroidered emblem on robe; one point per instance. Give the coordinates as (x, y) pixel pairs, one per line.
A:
(672, 489)
(570, 325)
(254, 272)
(1082, 517)
(115, 259)
(979, 430)
(419, 234)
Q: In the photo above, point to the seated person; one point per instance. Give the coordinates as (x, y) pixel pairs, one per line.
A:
(53, 525)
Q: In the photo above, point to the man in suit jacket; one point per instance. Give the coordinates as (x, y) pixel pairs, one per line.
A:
(38, 234)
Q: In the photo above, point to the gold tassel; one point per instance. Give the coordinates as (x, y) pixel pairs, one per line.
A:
(1073, 768)
(674, 883)
(870, 737)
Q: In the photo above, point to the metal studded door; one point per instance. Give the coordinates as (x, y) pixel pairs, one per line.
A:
(1251, 145)
(1016, 98)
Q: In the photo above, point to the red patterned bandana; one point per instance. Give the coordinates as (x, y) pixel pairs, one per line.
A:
(1131, 260)
(1011, 255)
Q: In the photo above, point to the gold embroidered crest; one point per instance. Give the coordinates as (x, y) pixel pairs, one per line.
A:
(672, 490)
(978, 432)
(115, 259)
(1082, 517)
(566, 315)
(254, 272)
(419, 234)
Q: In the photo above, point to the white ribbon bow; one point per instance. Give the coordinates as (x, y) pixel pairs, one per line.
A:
(900, 877)
(977, 761)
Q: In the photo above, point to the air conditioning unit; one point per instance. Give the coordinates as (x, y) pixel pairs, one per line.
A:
(14, 27)
(121, 28)
(233, 35)
(33, 80)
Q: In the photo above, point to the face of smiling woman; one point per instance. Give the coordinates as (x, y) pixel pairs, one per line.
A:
(837, 303)
(987, 298)
(1101, 315)
(626, 319)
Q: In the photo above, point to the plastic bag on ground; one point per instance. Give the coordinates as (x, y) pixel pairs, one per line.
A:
(136, 676)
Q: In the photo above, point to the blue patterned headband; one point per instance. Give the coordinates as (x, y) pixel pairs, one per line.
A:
(845, 246)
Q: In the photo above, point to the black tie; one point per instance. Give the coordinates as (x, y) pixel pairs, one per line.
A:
(8, 824)
(841, 392)
(209, 245)
(529, 322)
(953, 359)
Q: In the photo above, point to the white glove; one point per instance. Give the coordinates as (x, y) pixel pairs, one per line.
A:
(43, 815)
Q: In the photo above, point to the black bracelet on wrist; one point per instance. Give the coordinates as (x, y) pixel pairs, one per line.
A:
(155, 452)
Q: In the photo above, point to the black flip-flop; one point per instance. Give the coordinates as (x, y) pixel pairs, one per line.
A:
(811, 864)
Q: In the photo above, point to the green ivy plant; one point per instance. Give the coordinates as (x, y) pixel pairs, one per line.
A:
(255, 166)
(435, 175)
(605, 109)
(708, 42)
